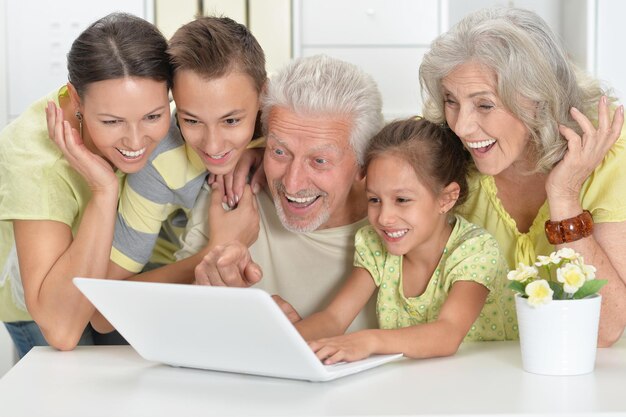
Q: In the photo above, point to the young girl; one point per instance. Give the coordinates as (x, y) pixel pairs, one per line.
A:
(58, 202)
(440, 279)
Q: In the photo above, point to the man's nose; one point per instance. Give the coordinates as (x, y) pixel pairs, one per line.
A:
(296, 177)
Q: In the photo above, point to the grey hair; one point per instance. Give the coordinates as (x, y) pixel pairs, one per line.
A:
(529, 62)
(324, 86)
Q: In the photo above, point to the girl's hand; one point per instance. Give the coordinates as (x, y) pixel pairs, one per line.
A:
(287, 308)
(583, 154)
(97, 172)
(250, 165)
(240, 224)
(344, 348)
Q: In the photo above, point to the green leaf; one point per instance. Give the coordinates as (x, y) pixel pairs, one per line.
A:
(558, 290)
(517, 287)
(589, 288)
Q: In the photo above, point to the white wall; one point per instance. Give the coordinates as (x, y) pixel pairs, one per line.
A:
(610, 61)
(3, 64)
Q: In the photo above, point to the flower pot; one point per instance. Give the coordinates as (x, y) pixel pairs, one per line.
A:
(560, 337)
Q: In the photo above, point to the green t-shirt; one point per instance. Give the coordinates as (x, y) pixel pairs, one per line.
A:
(602, 194)
(471, 254)
(36, 183)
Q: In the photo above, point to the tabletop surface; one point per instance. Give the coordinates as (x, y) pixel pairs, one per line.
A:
(481, 379)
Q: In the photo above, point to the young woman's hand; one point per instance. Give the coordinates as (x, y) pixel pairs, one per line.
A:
(345, 348)
(583, 154)
(250, 165)
(96, 170)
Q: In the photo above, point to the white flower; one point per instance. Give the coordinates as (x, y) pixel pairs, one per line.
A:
(569, 254)
(539, 292)
(571, 276)
(522, 273)
(563, 274)
(547, 260)
(589, 271)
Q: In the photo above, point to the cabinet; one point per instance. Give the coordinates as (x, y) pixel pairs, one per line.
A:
(36, 37)
(386, 38)
(609, 61)
(268, 20)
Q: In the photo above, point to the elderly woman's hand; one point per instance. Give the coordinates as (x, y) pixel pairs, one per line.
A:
(583, 155)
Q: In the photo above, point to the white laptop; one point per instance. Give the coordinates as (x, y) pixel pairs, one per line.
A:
(223, 329)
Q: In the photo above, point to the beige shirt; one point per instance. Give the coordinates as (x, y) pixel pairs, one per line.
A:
(305, 269)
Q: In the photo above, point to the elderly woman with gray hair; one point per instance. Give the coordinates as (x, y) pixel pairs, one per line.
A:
(546, 141)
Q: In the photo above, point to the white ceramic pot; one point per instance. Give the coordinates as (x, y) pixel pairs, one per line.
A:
(559, 338)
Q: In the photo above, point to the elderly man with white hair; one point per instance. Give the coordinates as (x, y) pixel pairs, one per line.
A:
(319, 114)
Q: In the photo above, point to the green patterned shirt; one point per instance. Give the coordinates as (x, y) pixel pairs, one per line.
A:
(471, 254)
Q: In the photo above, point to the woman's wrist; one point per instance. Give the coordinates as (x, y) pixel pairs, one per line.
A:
(561, 209)
(570, 229)
(105, 196)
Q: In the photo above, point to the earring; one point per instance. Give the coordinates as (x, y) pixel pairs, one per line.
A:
(79, 117)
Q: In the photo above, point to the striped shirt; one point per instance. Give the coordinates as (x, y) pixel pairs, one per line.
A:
(154, 203)
(155, 200)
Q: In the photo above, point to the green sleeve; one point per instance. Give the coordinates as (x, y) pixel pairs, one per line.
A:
(478, 259)
(369, 252)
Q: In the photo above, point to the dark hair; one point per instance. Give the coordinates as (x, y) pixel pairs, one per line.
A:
(116, 46)
(434, 151)
(214, 46)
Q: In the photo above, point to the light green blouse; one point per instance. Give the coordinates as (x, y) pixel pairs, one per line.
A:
(471, 254)
(603, 194)
(36, 183)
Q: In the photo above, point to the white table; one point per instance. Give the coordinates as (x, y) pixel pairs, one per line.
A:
(481, 379)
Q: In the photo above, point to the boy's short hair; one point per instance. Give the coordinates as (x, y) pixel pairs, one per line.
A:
(215, 46)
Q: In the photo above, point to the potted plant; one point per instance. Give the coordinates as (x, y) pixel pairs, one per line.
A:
(558, 312)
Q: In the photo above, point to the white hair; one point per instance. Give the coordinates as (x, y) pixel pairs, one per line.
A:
(320, 85)
(529, 62)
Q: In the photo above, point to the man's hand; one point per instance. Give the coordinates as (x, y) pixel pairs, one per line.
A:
(228, 265)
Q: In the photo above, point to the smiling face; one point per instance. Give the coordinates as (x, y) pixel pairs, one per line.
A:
(124, 119)
(216, 116)
(310, 169)
(404, 211)
(496, 139)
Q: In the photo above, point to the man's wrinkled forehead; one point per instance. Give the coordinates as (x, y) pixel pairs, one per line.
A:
(286, 126)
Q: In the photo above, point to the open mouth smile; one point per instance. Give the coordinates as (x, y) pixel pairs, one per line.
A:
(481, 146)
(132, 154)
